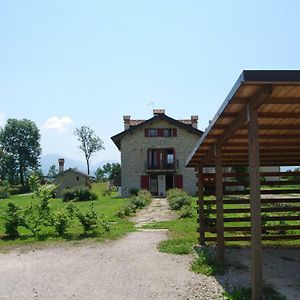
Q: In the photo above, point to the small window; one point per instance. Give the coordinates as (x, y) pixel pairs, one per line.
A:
(168, 132)
(170, 158)
(77, 178)
(152, 132)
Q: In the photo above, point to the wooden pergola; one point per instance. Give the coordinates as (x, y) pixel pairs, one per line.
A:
(257, 125)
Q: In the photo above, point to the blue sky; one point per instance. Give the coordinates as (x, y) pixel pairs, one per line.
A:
(64, 64)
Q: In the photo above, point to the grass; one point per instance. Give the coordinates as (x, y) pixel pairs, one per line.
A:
(245, 294)
(107, 205)
(206, 264)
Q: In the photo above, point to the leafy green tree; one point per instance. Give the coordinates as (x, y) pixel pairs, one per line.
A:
(109, 171)
(100, 174)
(20, 139)
(89, 143)
(8, 168)
(52, 172)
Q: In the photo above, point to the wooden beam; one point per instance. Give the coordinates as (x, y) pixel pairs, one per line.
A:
(240, 120)
(255, 206)
(276, 101)
(201, 205)
(219, 210)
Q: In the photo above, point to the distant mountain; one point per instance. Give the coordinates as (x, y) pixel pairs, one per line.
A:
(52, 159)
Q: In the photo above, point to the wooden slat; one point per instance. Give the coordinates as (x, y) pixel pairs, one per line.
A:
(247, 210)
(248, 228)
(247, 238)
(264, 192)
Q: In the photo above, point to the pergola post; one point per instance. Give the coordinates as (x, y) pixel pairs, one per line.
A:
(219, 203)
(255, 205)
(201, 205)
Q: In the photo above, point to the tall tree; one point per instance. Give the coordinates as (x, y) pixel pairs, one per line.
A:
(89, 143)
(52, 172)
(20, 139)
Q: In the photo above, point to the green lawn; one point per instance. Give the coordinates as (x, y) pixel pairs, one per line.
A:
(106, 205)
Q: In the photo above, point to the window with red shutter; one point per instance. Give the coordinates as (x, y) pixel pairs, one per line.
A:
(146, 132)
(174, 131)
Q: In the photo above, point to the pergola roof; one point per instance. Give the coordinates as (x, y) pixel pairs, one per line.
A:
(276, 95)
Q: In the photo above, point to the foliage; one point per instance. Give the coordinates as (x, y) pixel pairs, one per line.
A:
(133, 191)
(206, 264)
(20, 139)
(8, 168)
(186, 211)
(106, 193)
(35, 216)
(89, 143)
(142, 199)
(34, 182)
(79, 194)
(243, 293)
(52, 173)
(109, 171)
(61, 221)
(13, 219)
(177, 198)
(88, 219)
(4, 189)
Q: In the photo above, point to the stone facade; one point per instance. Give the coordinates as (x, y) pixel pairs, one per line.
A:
(135, 147)
(69, 179)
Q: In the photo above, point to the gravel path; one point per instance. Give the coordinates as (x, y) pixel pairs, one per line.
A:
(130, 268)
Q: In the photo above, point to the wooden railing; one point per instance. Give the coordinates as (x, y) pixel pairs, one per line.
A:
(280, 207)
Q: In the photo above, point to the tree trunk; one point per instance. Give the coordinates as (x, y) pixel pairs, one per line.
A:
(88, 165)
(21, 174)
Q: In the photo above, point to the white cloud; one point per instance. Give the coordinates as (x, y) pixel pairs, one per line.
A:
(60, 124)
(2, 119)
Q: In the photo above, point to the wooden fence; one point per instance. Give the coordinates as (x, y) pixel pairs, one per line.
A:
(280, 206)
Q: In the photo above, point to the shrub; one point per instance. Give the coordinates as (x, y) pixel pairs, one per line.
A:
(177, 198)
(79, 194)
(88, 219)
(133, 191)
(13, 219)
(61, 221)
(186, 211)
(68, 195)
(106, 193)
(4, 189)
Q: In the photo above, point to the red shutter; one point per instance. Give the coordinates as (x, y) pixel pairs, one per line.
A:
(174, 131)
(145, 182)
(146, 132)
(178, 179)
(158, 159)
(160, 132)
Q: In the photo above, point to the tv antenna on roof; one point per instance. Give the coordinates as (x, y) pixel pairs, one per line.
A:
(152, 105)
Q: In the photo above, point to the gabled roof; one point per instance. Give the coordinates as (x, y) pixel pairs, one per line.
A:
(73, 171)
(161, 117)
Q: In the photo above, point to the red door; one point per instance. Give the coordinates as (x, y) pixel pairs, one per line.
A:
(178, 180)
(145, 182)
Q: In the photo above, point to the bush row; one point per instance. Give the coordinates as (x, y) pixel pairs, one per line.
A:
(79, 194)
(142, 199)
(35, 217)
(181, 201)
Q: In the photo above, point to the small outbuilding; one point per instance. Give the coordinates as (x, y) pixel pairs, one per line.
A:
(69, 179)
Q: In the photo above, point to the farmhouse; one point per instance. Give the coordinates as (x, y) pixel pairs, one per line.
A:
(154, 151)
(69, 179)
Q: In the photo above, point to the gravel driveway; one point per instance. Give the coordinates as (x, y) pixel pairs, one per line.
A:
(130, 268)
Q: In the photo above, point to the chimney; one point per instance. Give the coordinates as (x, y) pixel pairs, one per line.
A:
(61, 164)
(126, 122)
(194, 121)
(157, 112)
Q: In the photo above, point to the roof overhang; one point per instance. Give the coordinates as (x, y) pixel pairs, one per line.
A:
(276, 96)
